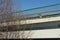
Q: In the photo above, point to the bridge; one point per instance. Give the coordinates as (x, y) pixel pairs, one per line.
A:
(21, 18)
(33, 19)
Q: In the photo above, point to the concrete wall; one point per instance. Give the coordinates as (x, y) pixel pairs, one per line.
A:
(49, 33)
(22, 22)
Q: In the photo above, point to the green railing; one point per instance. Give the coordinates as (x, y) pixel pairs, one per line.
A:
(39, 12)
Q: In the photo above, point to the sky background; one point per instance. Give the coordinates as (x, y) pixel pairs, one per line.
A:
(27, 4)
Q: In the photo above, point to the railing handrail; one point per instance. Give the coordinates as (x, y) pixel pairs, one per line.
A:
(38, 7)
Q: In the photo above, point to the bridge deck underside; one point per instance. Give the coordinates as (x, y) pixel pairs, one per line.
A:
(36, 26)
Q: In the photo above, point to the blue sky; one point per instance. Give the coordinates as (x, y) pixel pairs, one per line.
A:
(27, 4)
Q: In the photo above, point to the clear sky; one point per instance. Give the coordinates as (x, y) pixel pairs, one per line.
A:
(27, 4)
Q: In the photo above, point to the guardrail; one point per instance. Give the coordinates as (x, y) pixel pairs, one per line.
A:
(34, 13)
